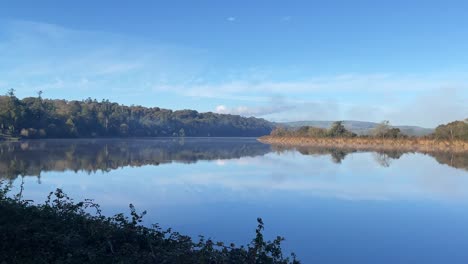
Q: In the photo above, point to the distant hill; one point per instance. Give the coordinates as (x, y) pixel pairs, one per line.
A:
(360, 127)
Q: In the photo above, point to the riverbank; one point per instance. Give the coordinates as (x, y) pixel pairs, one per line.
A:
(407, 144)
(63, 231)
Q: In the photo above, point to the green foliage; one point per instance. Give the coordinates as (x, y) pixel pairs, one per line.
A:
(451, 131)
(62, 231)
(336, 130)
(41, 118)
(280, 132)
(385, 130)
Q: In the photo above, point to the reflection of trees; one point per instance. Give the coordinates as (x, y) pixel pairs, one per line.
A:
(383, 158)
(456, 160)
(337, 155)
(33, 157)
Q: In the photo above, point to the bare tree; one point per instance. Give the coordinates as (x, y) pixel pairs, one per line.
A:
(381, 130)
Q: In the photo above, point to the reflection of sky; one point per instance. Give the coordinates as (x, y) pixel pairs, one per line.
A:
(412, 206)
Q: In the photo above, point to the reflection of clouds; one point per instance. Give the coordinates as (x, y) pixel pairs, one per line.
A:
(266, 160)
(278, 178)
(412, 177)
(220, 162)
(442, 180)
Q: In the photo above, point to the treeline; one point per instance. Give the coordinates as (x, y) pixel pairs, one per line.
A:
(336, 130)
(36, 117)
(457, 130)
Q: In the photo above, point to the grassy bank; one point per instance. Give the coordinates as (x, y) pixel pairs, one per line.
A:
(361, 143)
(62, 231)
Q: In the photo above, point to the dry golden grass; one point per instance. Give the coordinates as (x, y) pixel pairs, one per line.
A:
(408, 144)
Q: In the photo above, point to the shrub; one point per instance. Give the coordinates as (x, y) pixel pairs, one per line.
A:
(62, 231)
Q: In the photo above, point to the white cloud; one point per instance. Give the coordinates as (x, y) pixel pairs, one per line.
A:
(41, 56)
(222, 109)
(366, 83)
(275, 105)
(436, 107)
(65, 63)
(403, 99)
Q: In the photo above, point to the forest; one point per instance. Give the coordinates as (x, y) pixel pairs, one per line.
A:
(36, 117)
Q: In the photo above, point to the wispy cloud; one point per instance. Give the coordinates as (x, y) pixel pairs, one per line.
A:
(363, 83)
(403, 99)
(73, 64)
(50, 57)
(275, 105)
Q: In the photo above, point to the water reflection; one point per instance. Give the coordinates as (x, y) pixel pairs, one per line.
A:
(384, 158)
(30, 158)
(354, 202)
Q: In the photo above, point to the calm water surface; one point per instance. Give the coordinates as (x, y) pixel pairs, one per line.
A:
(333, 206)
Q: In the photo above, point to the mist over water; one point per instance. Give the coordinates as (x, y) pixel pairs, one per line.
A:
(372, 207)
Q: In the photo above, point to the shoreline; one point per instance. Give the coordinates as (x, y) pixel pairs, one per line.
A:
(407, 144)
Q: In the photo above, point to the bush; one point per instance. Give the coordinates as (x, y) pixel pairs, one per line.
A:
(62, 231)
(336, 130)
(453, 130)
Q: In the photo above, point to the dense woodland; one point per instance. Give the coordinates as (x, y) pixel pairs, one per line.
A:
(35, 117)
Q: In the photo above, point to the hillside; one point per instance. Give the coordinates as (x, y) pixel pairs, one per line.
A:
(35, 117)
(360, 127)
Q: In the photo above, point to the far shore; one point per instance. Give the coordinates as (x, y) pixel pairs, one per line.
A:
(407, 144)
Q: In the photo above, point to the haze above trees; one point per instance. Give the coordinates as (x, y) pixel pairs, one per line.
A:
(36, 117)
(457, 130)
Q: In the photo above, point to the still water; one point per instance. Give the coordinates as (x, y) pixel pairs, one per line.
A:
(333, 206)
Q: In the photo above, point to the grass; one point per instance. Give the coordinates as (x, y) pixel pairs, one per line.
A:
(63, 231)
(366, 143)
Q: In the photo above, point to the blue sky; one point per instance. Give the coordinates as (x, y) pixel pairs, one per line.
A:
(405, 61)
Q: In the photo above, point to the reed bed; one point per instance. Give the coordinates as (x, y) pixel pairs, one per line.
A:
(407, 144)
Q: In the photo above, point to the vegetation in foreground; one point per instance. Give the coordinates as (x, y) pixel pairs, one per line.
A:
(62, 231)
(35, 117)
